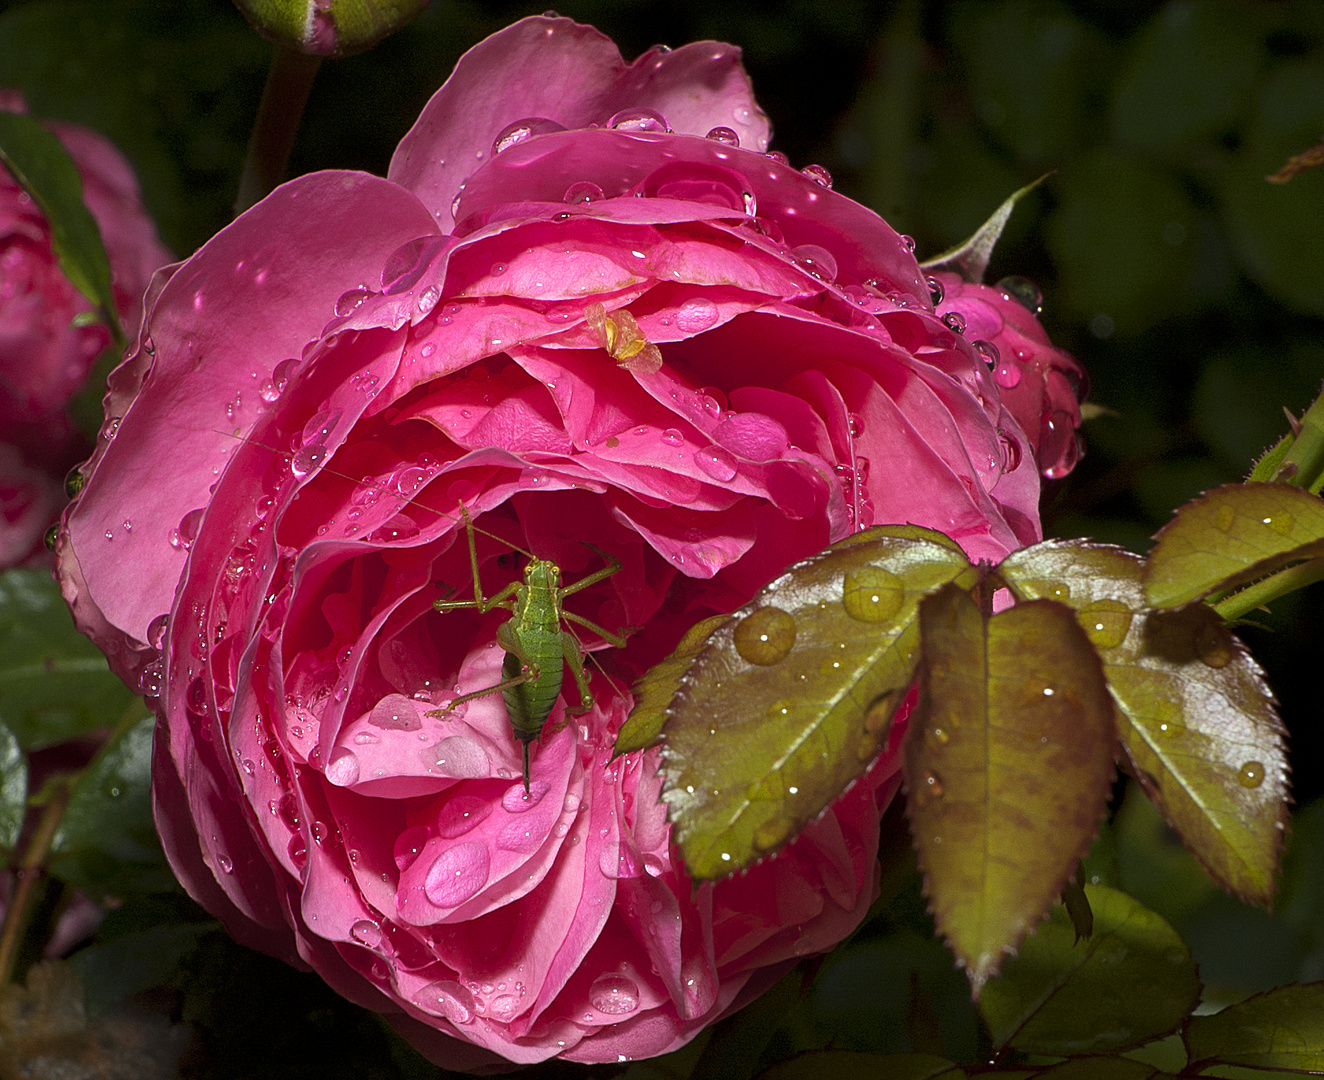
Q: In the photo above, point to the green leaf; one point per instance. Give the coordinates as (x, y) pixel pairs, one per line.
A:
(791, 700)
(970, 259)
(1230, 537)
(844, 1065)
(1280, 1029)
(1195, 718)
(114, 971)
(1101, 1068)
(106, 843)
(41, 164)
(1009, 761)
(54, 683)
(13, 788)
(1131, 981)
(654, 691)
(739, 1041)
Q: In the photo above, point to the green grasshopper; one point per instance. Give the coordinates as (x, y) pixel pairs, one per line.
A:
(537, 649)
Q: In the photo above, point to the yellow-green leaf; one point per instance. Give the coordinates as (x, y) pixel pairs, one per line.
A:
(653, 692)
(791, 700)
(1131, 981)
(1009, 760)
(1196, 720)
(1280, 1029)
(1231, 536)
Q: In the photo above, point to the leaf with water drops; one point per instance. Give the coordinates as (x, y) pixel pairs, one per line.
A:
(106, 843)
(1280, 1029)
(13, 788)
(1195, 718)
(41, 164)
(793, 698)
(1008, 767)
(654, 691)
(970, 259)
(1131, 981)
(1231, 536)
(54, 683)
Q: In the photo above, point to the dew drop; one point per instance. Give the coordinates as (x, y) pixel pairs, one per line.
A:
(366, 932)
(225, 862)
(716, 462)
(585, 191)
(343, 768)
(448, 999)
(156, 630)
(408, 845)
(1213, 642)
(428, 300)
(724, 135)
(1007, 375)
(523, 130)
(152, 680)
(673, 437)
(872, 594)
(816, 261)
(955, 322)
(351, 301)
(1225, 518)
(818, 175)
(1024, 291)
(1105, 622)
(765, 636)
(856, 424)
(110, 427)
(306, 459)
(695, 316)
(908, 241)
(639, 120)
(1011, 452)
(1250, 774)
(932, 785)
(936, 291)
(771, 834)
(615, 995)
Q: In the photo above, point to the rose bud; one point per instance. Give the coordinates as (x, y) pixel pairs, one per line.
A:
(586, 320)
(329, 27)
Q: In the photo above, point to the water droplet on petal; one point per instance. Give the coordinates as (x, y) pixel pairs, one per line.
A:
(765, 636)
(988, 351)
(156, 630)
(639, 120)
(585, 191)
(225, 862)
(1007, 375)
(1024, 291)
(818, 175)
(908, 241)
(366, 932)
(152, 680)
(816, 261)
(716, 462)
(408, 845)
(724, 135)
(448, 999)
(523, 130)
(428, 300)
(343, 768)
(459, 872)
(936, 291)
(954, 321)
(351, 301)
(614, 995)
(778, 157)
(307, 459)
(110, 427)
(1011, 452)
(696, 316)
(673, 437)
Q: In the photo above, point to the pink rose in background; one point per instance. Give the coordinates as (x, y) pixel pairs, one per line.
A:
(1039, 385)
(44, 359)
(274, 507)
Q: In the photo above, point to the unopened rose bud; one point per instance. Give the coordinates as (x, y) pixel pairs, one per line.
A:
(329, 27)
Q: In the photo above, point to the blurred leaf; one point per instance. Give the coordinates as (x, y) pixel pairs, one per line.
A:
(1280, 1029)
(654, 691)
(118, 969)
(1195, 717)
(1230, 537)
(1035, 72)
(13, 788)
(1130, 982)
(1122, 239)
(844, 1065)
(970, 259)
(791, 700)
(1188, 78)
(106, 843)
(42, 165)
(1078, 904)
(1277, 230)
(1101, 1068)
(739, 1041)
(54, 683)
(1009, 760)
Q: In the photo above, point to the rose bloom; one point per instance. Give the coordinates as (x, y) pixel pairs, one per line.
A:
(587, 307)
(44, 358)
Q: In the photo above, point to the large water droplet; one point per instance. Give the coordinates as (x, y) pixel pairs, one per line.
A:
(765, 636)
(462, 814)
(614, 995)
(343, 768)
(955, 322)
(585, 191)
(351, 301)
(1007, 375)
(673, 437)
(818, 175)
(307, 459)
(1105, 622)
(936, 291)
(695, 316)
(516, 800)
(723, 135)
(366, 932)
(459, 872)
(1250, 774)
(817, 261)
(428, 300)
(716, 462)
(448, 999)
(639, 120)
(523, 130)
(408, 845)
(1011, 452)
(1024, 291)
(152, 680)
(156, 630)
(872, 594)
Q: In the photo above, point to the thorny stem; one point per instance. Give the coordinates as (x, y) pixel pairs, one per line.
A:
(1241, 604)
(289, 82)
(28, 876)
(1305, 459)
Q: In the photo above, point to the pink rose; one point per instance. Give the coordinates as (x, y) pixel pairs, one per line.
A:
(44, 358)
(623, 324)
(1039, 385)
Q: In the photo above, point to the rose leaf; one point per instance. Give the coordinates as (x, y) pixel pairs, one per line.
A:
(1008, 765)
(106, 842)
(1131, 981)
(850, 1065)
(1231, 536)
(1282, 1028)
(792, 699)
(43, 167)
(54, 683)
(1195, 718)
(1102, 1067)
(970, 259)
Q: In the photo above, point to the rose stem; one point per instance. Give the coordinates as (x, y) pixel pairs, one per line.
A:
(29, 875)
(289, 82)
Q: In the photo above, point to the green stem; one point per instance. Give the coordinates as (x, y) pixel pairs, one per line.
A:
(1305, 460)
(1241, 604)
(28, 877)
(289, 82)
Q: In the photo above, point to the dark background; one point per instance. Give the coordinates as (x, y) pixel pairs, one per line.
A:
(1192, 289)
